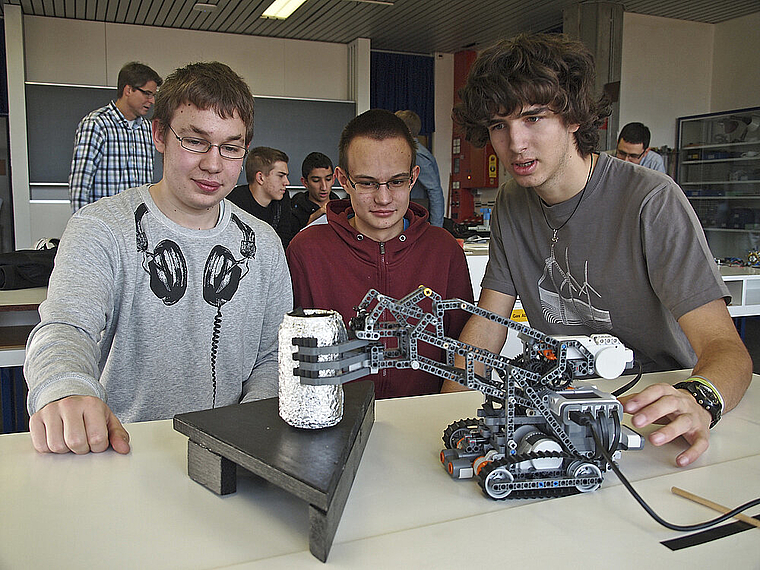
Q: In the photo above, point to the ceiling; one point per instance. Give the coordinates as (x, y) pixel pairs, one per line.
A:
(415, 26)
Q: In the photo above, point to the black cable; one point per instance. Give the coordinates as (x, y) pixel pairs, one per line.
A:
(602, 426)
(618, 431)
(631, 384)
(648, 509)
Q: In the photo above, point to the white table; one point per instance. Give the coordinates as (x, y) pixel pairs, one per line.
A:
(143, 511)
(743, 282)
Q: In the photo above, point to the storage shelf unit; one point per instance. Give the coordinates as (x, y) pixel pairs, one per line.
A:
(719, 170)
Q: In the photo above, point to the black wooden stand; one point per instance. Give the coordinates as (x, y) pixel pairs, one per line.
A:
(317, 466)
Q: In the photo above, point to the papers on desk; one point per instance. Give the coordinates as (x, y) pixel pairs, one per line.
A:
(478, 248)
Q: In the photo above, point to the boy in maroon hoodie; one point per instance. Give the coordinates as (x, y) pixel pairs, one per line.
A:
(379, 240)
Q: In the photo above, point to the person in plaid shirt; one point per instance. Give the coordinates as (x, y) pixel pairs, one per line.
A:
(113, 146)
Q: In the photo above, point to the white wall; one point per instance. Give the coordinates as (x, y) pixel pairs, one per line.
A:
(736, 64)
(666, 73)
(57, 50)
(92, 53)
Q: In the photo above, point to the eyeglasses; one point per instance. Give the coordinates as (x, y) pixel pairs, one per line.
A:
(626, 155)
(148, 94)
(201, 146)
(371, 186)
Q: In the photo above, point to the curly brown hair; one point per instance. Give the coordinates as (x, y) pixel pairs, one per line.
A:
(533, 69)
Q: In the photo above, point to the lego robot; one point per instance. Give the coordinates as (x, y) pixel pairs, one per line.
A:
(536, 435)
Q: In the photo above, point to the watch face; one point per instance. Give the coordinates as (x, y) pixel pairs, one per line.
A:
(708, 395)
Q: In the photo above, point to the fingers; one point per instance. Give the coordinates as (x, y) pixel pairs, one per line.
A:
(635, 402)
(77, 423)
(686, 425)
(692, 429)
(74, 431)
(679, 411)
(57, 429)
(690, 455)
(39, 430)
(656, 412)
(655, 404)
(95, 428)
(117, 435)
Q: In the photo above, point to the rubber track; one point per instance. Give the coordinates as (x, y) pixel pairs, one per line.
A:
(535, 493)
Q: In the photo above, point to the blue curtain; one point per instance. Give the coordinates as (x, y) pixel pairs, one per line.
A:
(402, 81)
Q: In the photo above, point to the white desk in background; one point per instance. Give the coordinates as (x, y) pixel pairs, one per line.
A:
(744, 285)
(404, 511)
(18, 315)
(743, 282)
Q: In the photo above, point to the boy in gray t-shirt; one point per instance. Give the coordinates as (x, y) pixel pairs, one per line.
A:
(593, 244)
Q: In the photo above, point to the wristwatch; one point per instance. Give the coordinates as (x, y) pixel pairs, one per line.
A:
(706, 396)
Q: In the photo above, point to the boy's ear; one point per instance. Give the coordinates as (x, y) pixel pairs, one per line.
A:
(159, 135)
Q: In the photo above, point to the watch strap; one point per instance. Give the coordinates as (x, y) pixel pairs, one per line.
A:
(706, 396)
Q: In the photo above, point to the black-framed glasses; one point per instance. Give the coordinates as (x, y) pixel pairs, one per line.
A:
(626, 155)
(148, 94)
(201, 146)
(372, 186)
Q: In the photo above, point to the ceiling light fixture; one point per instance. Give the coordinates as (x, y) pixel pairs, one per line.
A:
(281, 9)
(204, 7)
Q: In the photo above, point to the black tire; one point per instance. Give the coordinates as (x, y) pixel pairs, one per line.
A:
(457, 430)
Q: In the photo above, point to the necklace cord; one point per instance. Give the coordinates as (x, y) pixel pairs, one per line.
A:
(543, 211)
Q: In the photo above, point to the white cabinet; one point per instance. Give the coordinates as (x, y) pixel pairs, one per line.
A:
(744, 285)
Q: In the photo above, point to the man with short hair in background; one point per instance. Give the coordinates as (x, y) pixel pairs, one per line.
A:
(427, 191)
(266, 194)
(317, 177)
(633, 146)
(113, 146)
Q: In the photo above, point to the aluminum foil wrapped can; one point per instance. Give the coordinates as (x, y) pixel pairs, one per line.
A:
(302, 406)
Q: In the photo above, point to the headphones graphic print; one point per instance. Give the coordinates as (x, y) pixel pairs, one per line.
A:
(222, 273)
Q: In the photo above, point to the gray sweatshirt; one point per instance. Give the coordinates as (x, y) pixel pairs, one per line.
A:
(157, 319)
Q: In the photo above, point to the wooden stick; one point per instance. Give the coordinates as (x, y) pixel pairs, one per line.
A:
(713, 506)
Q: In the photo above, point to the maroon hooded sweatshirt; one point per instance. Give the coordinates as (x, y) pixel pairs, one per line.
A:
(333, 266)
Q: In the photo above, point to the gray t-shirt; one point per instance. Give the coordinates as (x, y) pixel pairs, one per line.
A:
(158, 319)
(631, 261)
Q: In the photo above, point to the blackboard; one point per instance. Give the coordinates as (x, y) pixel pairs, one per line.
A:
(300, 126)
(52, 115)
(295, 126)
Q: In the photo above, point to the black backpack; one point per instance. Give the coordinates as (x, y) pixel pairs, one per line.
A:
(26, 268)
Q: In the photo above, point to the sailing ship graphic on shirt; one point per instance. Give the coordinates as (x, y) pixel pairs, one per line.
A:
(567, 301)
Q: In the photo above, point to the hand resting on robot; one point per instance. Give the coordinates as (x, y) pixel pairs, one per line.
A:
(677, 411)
